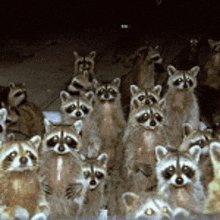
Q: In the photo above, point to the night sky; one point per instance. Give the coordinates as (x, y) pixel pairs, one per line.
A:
(22, 18)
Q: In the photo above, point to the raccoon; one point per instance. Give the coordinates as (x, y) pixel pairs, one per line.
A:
(60, 169)
(179, 176)
(75, 107)
(144, 131)
(109, 115)
(95, 174)
(142, 75)
(17, 94)
(147, 96)
(149, 206)
(213, 203)
(201, 138)
(25, 121)
(22, 196)
(85, 63)
(181, 102)
(80, 84)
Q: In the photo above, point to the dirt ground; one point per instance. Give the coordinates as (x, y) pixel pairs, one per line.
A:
(46, 63)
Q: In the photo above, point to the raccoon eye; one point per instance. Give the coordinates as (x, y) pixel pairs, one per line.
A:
(110, 90)
(86, 174)
(80, 62)
(143, 118)
(13, 154)
(70, 109)
(18, 94)
(99, 175)
(149, 212)
(101, 91)
(53, 141)
(180, 80)
(33, 158)
(71, 142)
(89, 63)
(84, 109)
(168, 173)
(165, 209)
(152, 99)
(141, 97)
(158, 117)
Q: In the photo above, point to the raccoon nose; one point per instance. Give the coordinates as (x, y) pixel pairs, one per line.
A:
(147, 102)
(106, 95)
(185, 86)
(23, 160)
(78, 113)
(179, 180)
(61, 148)
(92, 182)
(152, 123)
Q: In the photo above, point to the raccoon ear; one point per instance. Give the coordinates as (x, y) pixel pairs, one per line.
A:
(195, 70)
(171, 70)
(157, 89)
(10, 137)
(93, 54)
(162, 103)
(95, 83)
(12, 85)
(134, 89)
(161, 152)
(117, 81)
(135, 104)
(3, 114)
(90, 95)
(36, 140)
(215, 151)
(195, 152)
(130, 200)
(103, 158)
(48, 125)
(76, 55)
(187, 129)
(78, 126)
(64, 96)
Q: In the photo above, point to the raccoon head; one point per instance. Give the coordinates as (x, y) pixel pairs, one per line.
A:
(154, 55)
(21, 155)
(79, 84)
(62, 139)
(177, 169)
(84, 62)
(107, 91)
(94, 170)
(192, 137)
(146, 205)
(17, 94)
(193, 44)
(77, 107)
(148, 116)
(147, 96)
(181, 79)
(215, 45)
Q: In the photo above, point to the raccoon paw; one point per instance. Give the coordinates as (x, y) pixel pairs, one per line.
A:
(73, 190)
(47, 189)
(39, 216)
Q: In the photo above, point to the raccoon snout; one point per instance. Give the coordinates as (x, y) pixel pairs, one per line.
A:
(61, 148)
(179, 180)
(147, 102)
(106, 95)
(23, 160)
(185, 86)
(153, 123)
(78, 113)
(92, 182)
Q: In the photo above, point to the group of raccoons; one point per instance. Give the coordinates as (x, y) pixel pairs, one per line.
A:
(133, 145)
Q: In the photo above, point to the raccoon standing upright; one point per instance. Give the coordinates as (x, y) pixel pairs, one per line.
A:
(95, 174)
(21, 194)
(181, 102)
(60, 169)
(179, 178)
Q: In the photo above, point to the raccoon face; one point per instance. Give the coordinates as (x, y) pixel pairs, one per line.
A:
(80, 83)
(177, 169)
(20, 156)
(147, 96)
(146, 205)
(107, 91)
(182, 80)
(215, 45)
(62, 139)
(193, 44)
(154, 55)
(77, 107)
(95, 170)
(17, 94)
(85, 62)
(149, 116)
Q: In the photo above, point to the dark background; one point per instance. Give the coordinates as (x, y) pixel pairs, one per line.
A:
(29, 18)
